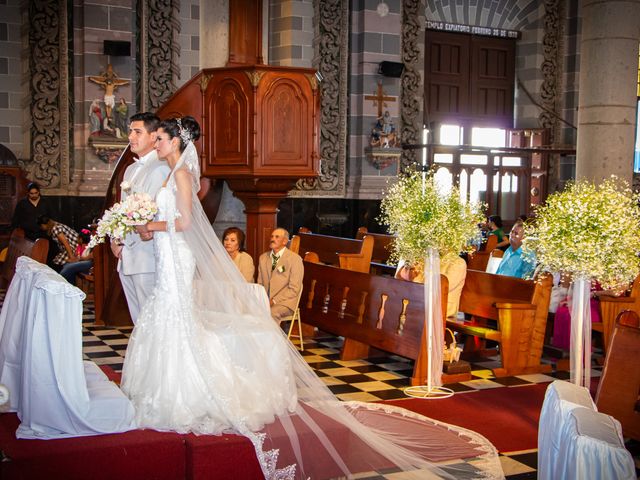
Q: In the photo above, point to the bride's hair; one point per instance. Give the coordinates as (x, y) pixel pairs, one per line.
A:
(185, 128)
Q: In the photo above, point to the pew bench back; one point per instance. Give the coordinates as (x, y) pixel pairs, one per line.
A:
(19, 245)
(376, 311)
(347, 253)
(520, 309)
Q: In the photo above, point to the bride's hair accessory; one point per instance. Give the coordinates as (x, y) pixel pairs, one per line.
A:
(185, 134)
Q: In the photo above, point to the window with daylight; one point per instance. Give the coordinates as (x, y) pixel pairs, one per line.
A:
(477, 160)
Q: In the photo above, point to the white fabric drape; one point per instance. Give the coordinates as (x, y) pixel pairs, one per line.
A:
(592, 447)
(560, 399)
(54, 392)
(433, 328)
(580, 346)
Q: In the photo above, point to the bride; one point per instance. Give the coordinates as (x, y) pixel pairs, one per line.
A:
(206, 357)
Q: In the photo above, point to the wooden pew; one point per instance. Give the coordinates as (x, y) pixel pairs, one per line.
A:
(347, 253)
(620, 382)
(19, 246)
(610, 308)
(382, 245)
(478, 260)
(368, 310)
(520, 309)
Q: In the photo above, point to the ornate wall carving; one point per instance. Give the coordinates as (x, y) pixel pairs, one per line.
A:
(551, 67)
(332, 54)
(159, 51)
(551, 74)
(412, 88)
(49, 92)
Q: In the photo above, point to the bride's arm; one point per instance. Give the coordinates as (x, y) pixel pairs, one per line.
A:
(183, 204)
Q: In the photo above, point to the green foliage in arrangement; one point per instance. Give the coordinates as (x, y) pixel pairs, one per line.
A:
(422, 217)
(591, 231)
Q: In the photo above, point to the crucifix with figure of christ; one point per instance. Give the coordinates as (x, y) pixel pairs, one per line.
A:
(380, 99)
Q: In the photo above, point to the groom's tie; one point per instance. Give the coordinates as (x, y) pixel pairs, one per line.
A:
(274, 261)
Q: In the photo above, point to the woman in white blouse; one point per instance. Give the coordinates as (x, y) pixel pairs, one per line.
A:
(233, 240)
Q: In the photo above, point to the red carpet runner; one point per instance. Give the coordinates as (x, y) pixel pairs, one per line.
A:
(508, 417)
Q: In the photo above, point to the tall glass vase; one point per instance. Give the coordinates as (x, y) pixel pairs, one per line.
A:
(580, 346)
(433, 330)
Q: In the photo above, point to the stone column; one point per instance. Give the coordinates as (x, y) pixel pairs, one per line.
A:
(214, 33)
(607, 91)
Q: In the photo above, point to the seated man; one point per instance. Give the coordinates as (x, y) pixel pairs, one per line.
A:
(513, 263)
(280, 272)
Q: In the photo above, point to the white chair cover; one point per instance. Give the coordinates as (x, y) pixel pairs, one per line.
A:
(559, 400)
(53, 391)
(592, 447)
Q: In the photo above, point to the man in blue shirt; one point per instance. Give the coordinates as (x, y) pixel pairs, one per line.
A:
(513, 264)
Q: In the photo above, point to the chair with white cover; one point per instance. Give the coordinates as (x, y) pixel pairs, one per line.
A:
(295, 318)
(559, 400)
(592, 447)
(54, 392)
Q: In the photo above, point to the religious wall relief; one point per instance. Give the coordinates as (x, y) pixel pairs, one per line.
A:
(384, 141)
(108, 118)
(332, 46)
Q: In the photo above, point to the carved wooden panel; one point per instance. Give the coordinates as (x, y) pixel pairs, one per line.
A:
(262, 121)
(228, 110)
(285, 125)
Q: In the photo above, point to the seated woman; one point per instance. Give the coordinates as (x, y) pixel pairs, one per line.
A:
(454, 268)
(494, 223)
(233, 240)
(85, 259)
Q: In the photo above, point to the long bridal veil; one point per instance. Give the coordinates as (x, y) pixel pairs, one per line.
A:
(306, 432)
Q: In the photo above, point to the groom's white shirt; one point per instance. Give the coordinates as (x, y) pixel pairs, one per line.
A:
(145, 175)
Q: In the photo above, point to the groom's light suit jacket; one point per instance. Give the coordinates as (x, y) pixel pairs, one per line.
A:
(284, 283)
(145, 175)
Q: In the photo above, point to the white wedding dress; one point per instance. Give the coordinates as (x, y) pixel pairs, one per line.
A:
(198, 371)
(206, 357)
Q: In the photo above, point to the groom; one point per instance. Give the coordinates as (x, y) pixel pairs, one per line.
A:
(136, 261)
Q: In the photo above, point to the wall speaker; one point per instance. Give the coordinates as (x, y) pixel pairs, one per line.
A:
(390, 69)
(117, 48)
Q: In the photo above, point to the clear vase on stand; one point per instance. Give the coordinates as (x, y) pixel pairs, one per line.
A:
(434, 331)
(580, 346)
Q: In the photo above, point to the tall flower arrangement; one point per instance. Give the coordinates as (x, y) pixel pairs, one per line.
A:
(422, 217)
(591, 231)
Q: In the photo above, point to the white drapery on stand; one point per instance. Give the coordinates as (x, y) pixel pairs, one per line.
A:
(576, 442)
(580, 346)
(54, 392)
(433, 330)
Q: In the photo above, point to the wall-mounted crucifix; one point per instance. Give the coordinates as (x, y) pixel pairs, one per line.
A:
(380, 99)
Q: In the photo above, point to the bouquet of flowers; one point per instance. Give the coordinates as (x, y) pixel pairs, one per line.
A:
(122, 218)
(591, 231)
(423, 217)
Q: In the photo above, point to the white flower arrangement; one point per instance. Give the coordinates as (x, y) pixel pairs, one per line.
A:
(280, 268)
(122, 218)
(422, 217)
(591, 231)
